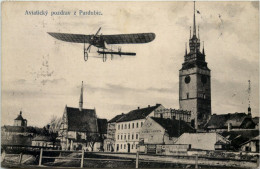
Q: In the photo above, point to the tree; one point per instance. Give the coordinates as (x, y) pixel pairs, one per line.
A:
(91, 139)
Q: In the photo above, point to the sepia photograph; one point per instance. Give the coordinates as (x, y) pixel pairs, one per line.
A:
(127, 84)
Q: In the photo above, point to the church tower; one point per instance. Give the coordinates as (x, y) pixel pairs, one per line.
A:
(194, 81)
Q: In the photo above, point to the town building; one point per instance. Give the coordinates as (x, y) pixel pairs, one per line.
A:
(109, 142)
(251, 145)
(20, 121)
(128, 128)
(19, 133)
(173, 114)
(194, 81)
(80, 128)
(230, 121)
(42, 141)
(163, 131)
(239, 138)
(203, 141)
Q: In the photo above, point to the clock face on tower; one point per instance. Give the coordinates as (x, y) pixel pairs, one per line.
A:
(187, 79)
(204, 79)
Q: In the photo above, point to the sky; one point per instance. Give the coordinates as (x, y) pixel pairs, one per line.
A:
(41, 75)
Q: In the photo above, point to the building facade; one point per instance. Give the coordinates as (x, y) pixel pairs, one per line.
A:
(128, 128)
(194, 81)
(173, 114)
(163, 130)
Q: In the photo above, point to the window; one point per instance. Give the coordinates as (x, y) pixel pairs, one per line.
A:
(132, 146)
(118, 136)
(137, 125)
(133, 125)
(124, 146)
(136, 136)
(132, 136)
(122, 127)
(136, 146)
(142, 124)
(128, 136)
(187, 95)
(125, 126)
(125, 137)
(119, 127)
(120, 146)
(121, 137)
(129, 125)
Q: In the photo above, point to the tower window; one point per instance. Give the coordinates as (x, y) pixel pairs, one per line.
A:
(187, 95)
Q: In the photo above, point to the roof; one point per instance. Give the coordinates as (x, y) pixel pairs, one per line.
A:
(102, 126)
(84, 121)
(20, 129)
(42, 138)
(255, 120)
(117, 117)
(221, 121)
(237, 137)
(20, 117)
(138, 113)
(174, 127)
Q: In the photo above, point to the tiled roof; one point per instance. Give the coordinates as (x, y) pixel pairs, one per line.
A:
(102, 126)
(237, 137)
(221, 121)
(173, 127)
(83, 121)
(138, 113)
(117, 117)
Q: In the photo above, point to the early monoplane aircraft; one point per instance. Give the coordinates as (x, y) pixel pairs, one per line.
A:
(102, 41)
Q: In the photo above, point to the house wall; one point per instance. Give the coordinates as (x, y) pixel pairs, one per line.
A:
(152, 132)
(252, 146)
(127, 135)
(202, 141)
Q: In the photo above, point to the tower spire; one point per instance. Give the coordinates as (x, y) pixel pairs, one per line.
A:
(185, 48)
(203, 52)
(194, 22)
(249, 92)
(81, 98)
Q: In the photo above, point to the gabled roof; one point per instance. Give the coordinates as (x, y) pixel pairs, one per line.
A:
(20, 117)
(237, 137)
(173, 127)
(138, 113)
(83, 121)
(117, 117)
(102, 126)
(221, 121)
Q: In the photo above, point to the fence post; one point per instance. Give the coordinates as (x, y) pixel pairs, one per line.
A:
(137, 159)
(82, 159)
(196, 161)
(40, 160)
(20, 158)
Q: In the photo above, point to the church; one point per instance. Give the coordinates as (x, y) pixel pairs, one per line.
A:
(194, 81)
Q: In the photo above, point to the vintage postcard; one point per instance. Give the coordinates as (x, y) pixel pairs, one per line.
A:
(130, 84)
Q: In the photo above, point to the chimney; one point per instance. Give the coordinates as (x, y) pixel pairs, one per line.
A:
(229, 126)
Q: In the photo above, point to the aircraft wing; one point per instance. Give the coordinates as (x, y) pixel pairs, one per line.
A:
(76, 38)
(129, 38)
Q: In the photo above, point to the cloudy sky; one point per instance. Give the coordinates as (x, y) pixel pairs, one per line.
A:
(40, 75)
